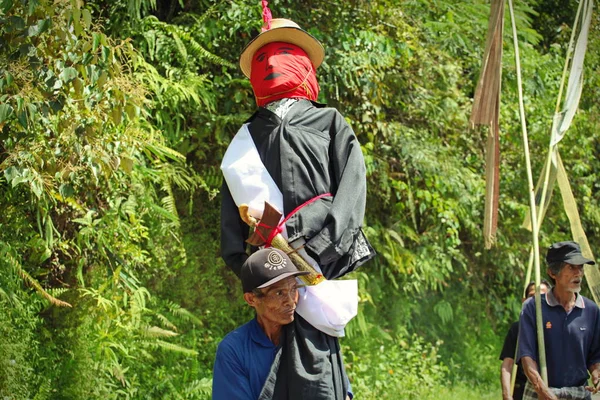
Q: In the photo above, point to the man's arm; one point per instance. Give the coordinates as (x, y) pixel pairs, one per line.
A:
(530, 368)
(234, 232)
(593, 359)
(505, 374)
(507, 355)
(528, 349)
(347, 211)
(595, 373)
(230, 381)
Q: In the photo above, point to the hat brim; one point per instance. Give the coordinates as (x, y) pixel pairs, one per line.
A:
(282, 277)
(579, 260)
(297, 36)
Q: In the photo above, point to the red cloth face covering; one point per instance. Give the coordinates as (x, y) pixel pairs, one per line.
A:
(282, 70)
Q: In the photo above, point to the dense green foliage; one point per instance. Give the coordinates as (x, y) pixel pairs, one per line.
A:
(114, 116)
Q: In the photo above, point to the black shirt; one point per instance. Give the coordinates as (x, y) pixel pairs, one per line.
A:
(509, 351)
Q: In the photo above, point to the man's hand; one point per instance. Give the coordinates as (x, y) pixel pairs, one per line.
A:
(531, 371)
(595, 372)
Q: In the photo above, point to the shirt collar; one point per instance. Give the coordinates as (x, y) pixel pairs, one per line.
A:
(553, 302)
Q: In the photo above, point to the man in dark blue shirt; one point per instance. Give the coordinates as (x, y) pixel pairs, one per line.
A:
(245, 356)
(571, 326)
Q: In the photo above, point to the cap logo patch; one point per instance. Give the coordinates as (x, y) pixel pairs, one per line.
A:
(275, 261)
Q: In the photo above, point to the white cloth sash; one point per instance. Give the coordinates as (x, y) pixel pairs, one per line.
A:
(247, 177)
(331, 304)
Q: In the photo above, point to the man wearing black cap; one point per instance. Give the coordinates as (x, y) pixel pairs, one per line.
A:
(246, 355)
(571, 326)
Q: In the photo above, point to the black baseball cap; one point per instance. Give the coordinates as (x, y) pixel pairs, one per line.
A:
(266, 267)
(568, 252)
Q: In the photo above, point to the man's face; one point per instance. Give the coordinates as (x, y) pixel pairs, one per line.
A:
(278, 302)
(569, 278)
(531, 293)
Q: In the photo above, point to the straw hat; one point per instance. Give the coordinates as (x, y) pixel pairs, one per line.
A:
(287, 31)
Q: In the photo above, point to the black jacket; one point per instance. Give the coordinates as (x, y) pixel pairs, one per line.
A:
(310, 152)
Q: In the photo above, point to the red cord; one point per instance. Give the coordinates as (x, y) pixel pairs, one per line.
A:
(266, 16)
(279, 228)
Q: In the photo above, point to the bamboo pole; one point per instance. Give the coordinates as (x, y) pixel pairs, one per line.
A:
(551, 147)
(513, 374)
(536, 252)
(547, 169)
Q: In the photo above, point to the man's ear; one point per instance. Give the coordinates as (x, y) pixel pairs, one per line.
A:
(551, 274)
(250, 298)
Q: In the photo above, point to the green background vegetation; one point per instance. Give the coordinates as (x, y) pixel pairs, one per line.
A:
(114, 116)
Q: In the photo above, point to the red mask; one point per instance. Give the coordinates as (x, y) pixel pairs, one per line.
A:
(282, 70)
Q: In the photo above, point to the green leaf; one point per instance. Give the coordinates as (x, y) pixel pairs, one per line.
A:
(5, 112)
(76, 24)
(66, 190)
(20, 103)
(117, 115)
(36, 188)
(32, 110)
(105, 54)
(33, 4)
(68, 74)
(6, 5)
(102, 79)
(78, 86)
(87, 58)
(15, 24)
(11, 173)
(44, 255)
(22, 117)
(40, 27)
(87, 17)
(96, 38)
(126, 164)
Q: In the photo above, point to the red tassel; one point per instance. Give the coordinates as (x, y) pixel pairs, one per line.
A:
(266, 16)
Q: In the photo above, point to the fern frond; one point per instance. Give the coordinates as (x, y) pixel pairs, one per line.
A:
(101, 301)
(166, 322)
(56, 292)
(155, 331)
(33, 282)
(187, 316)
(163, 152)
(44, 391)
(198, 387)
(178, 86)
(180, 47)
(174, 390)
(165, 213)
(196, 50)
(151, 37)
(174, 348)
(138, 300)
